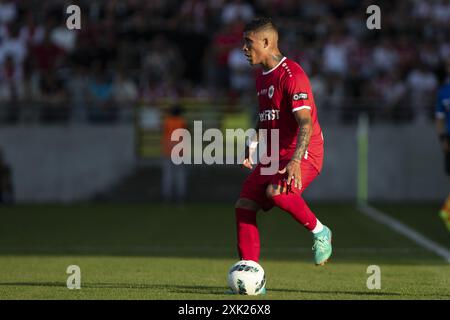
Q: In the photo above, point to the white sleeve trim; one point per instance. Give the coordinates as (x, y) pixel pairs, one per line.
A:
(300, 108)
(440, 115)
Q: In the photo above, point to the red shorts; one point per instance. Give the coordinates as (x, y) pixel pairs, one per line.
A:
(255, 185)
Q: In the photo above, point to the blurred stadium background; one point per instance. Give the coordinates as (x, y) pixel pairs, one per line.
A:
(82, 111)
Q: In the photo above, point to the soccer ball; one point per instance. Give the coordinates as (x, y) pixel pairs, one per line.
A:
(246, 277)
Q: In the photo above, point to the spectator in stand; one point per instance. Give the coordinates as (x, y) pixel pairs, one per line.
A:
(8, 11)
(46, 55)
(54, 108)
(13, 46)
(10, 79)
(193, 16)
(237, 10)
(125, 94)
(406, 52)
(63, 37)
(77, 93)
(385, 56)
(10, 89)
(395, 97)
(241, 75)
(228, 38)
(335, 54)
(100, 94)
(32, 33)
(162, 61)
(429, 55)
(422, 85)
(440, 13)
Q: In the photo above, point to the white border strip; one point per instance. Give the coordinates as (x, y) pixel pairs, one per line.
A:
(300, 108)
(411, 234)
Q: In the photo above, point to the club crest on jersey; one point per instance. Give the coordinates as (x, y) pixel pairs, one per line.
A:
(271, 91)
(267, 115)
(300, 96)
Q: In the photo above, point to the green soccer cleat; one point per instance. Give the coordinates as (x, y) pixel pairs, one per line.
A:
(322, 246)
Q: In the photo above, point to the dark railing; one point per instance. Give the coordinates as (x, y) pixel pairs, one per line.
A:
(63, 111)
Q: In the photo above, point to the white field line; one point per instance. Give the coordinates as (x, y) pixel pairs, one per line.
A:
(408, 232)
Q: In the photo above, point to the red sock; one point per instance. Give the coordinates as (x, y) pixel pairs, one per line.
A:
(296, 206)
(247, 234)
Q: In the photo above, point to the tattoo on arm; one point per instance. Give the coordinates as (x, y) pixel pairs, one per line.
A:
(304, 135)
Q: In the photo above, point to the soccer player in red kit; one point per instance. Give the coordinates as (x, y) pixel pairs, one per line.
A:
(286, 103)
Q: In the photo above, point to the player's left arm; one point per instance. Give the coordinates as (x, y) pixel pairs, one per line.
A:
(303, 118)
(298, 91)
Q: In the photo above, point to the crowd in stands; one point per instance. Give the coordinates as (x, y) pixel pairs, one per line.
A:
(137, 51)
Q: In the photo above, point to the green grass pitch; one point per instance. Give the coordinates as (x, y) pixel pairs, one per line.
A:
(154, 251)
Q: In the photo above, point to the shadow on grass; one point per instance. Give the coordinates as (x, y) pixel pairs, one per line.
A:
(211, 290)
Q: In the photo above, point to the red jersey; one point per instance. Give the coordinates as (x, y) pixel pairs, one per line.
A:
(282, 91)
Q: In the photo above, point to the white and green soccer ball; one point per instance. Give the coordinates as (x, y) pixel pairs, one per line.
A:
(246, 277)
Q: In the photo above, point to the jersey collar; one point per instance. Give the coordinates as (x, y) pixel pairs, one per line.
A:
(269, 71)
